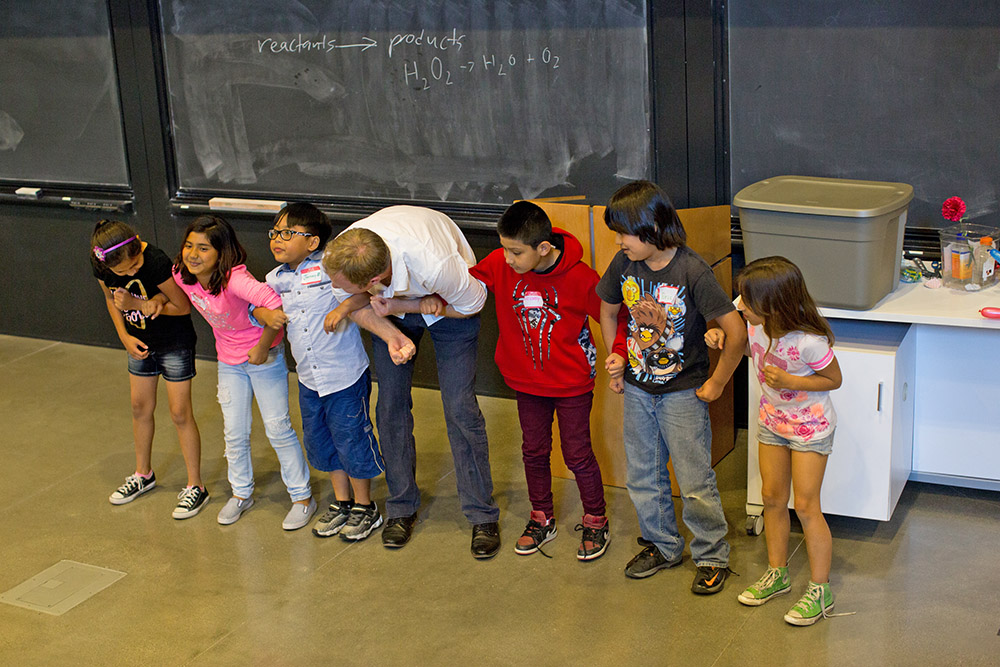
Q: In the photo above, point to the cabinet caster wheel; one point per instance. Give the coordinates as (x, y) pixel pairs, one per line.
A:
(755, 525)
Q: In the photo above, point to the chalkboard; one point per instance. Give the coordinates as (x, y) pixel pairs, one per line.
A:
(60, 114)
(479, 102)
(877, 90)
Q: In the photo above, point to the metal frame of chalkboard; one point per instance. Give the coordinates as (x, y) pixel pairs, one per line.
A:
(186, 201)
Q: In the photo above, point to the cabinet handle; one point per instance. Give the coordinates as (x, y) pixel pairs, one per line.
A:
(878, 405)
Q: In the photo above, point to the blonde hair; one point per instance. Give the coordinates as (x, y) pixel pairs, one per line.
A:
(358, 254)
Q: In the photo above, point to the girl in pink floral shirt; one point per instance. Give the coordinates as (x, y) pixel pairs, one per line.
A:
(789, 346)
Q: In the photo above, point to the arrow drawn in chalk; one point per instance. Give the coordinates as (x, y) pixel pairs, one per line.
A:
(369, 43)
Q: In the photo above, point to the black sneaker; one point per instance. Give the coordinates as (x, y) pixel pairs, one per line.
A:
(190, 501)
(538, 531)
(334, 519)
(710, 579)
(397, 531)
(135, 485)
(649, 561)
(361, 522)
(485, 540)
(595, 539)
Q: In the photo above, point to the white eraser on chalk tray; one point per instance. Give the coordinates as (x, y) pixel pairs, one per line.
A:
(28, 192)
(235, 204)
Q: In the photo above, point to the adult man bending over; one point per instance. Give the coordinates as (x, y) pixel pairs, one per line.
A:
(414, 263)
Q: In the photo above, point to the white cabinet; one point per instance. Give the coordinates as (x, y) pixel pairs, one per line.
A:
(873, 445)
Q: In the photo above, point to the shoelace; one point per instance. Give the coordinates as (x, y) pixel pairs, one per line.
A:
(188, 496)
(132, 483)
(536, 531)
(766, 581)
(357, 516)
(332, 513)
(589, 534)
(815, 593)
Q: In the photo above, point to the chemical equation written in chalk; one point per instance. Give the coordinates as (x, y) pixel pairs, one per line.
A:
(422, 74)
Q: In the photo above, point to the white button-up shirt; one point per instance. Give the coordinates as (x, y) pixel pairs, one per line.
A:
(429, 255)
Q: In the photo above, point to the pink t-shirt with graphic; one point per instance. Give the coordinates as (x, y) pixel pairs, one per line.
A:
(228, 312)
(800, 416)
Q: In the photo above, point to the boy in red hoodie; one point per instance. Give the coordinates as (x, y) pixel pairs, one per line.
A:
(546, 353)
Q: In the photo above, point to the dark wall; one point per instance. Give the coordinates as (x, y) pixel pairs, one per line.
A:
(49, 292)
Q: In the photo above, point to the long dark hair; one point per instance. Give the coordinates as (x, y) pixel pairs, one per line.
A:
(774, 289)
(108, 234)
(222, 237)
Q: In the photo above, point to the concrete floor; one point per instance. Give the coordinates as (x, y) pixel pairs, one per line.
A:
(925, 586)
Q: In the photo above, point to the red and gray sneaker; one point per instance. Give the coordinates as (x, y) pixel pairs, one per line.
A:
(596, 536)
(538, 531)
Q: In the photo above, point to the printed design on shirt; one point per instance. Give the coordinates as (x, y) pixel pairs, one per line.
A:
(217, 320)
(656, 339)
(135, 317)
(797, 416)
(586, 342)
(537, 313)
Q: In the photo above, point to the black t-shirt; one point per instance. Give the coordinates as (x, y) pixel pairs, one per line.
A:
(166, 332)
(667, 314)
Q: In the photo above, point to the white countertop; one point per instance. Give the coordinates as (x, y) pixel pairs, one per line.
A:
(915, 303)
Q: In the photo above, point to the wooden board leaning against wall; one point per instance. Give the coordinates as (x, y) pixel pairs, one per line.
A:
(708, 234)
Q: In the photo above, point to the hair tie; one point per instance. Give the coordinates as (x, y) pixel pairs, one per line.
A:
(101, 254)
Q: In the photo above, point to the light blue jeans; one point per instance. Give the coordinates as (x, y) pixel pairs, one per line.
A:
(238, 384)
(674, 426)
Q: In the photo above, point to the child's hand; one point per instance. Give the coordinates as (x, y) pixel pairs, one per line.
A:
(617, 385)
(151, 308)
(125, 301)
(615, 365)
(384, 307)
(777, 378)
(256, 355)
(432, 305)
(135, 347)
(273, 319)
(401, 349)
(333, 320)
(709, 391)
(715, 338)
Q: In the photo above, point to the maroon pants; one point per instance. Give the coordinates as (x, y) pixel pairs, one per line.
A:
(535, 414)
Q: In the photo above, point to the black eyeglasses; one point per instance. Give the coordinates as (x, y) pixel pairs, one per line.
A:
(285, 234)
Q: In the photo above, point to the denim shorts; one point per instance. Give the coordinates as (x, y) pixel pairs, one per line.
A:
(173, 365)
(337, 430)
(822, 446)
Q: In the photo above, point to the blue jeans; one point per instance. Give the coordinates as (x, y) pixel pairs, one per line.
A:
(238, 384)
(455, 343)
(674, 426)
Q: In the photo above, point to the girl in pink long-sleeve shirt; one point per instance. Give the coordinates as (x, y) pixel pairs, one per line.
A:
(211, 272)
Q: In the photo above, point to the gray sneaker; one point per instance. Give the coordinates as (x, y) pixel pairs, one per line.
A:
(333, 519)
(362, 521)
(299, 515)
(234, 509)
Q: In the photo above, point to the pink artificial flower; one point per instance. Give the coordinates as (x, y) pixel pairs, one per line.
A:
(953, 209)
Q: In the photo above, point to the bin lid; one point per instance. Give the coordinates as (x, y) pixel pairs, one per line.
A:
(817, 195)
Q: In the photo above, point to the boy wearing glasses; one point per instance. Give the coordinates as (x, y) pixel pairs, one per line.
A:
(334, 380)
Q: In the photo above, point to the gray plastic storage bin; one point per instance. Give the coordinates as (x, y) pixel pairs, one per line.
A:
(846, 236)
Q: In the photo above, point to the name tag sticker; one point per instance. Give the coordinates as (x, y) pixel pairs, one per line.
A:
(312, 275)
(665, 294)
(533, 300)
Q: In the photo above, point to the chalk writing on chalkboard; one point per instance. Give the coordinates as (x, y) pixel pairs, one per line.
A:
(381, 99)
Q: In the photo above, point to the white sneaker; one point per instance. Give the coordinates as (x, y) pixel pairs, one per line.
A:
(234, 509)
(299, 515)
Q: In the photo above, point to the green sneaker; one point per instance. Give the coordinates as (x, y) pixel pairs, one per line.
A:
(772, 583)
(812, 606)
